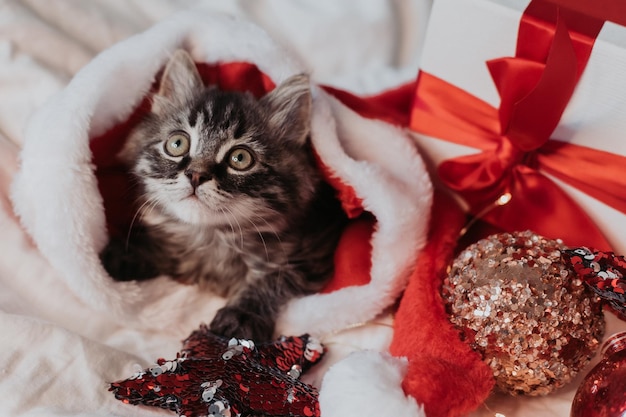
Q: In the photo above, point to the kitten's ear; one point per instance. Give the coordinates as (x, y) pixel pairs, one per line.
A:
(289, 105)
(179, 82)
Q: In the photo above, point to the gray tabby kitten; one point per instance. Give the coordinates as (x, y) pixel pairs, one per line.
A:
(231, 198)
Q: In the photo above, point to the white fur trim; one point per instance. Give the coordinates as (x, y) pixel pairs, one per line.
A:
(367, 384)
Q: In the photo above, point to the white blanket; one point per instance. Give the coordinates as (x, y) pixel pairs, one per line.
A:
(67, 330)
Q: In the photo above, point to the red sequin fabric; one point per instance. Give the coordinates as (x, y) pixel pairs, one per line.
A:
(603, 272)
(219, 377)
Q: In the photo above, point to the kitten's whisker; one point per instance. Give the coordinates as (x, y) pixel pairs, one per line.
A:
(153, 205)
(267, 255)
(238, 225)
(232, 228)
(270, 227)
(132, 222)
(280, 245)
(275, 233)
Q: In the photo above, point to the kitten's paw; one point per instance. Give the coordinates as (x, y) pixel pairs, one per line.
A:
(124, 265)
(113, 259)
(233, 321)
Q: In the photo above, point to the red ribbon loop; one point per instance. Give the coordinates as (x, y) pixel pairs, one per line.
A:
(534, 94)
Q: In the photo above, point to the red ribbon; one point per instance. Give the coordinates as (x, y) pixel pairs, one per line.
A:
(554, 44)
(609, 10)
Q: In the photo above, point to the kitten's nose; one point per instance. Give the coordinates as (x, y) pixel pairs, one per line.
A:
(196, 178)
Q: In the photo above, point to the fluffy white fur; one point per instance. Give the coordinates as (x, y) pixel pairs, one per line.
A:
(368, 376)
(56, 197)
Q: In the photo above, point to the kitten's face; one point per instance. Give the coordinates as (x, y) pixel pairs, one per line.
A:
(209, 157)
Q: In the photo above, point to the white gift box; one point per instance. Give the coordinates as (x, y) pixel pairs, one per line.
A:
(463, 35)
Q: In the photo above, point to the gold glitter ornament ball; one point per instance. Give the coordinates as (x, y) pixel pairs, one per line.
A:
(516, 302)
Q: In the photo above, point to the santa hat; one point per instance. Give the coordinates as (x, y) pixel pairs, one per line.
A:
(69, 177)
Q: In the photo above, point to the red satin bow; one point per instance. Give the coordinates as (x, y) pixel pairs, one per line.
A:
(535, 86)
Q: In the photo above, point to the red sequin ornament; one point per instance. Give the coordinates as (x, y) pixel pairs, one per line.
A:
(217, 377)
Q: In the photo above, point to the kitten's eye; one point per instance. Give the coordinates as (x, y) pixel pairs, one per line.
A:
(240, 159)
(177, 144)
